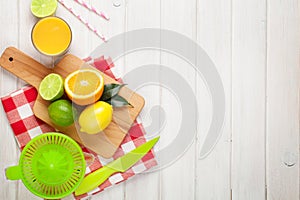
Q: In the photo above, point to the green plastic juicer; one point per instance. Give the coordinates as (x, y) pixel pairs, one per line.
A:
(51, 166)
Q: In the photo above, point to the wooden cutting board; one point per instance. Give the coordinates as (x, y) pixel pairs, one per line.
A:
(104, 143)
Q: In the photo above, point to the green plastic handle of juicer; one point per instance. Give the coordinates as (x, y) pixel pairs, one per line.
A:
(13, 173)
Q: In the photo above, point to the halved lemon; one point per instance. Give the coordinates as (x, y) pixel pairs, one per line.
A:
(84, 86)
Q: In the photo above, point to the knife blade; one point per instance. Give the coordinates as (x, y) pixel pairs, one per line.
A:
(96, 178)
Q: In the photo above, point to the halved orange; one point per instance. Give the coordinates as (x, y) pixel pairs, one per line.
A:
(84, 86)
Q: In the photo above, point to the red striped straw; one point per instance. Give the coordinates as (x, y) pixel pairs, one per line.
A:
(92, 8)
(84, 21)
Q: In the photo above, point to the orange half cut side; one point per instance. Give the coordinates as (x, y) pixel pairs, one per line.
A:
(84, 86)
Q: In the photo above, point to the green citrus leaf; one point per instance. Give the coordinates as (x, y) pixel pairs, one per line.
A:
(118, 101)
(110, 90)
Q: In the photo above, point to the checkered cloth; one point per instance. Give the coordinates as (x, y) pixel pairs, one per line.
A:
(18, 107)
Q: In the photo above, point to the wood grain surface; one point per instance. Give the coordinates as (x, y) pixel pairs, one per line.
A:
(254, 45)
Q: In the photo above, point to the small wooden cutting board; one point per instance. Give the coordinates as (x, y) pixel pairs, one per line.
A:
(104, 143)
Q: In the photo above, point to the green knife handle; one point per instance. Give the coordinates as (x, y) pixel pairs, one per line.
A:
(94, 179)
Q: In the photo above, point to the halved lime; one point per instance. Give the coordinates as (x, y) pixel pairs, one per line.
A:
(43, 8)
(52, 87)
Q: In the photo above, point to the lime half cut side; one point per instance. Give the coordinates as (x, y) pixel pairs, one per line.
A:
(52, 87)
(43, 8)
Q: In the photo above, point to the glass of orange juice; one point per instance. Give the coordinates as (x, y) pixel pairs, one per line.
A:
(51, 36)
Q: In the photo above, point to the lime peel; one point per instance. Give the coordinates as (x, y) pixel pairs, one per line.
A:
(62, 113)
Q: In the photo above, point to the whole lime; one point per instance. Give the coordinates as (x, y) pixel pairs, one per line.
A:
(62, 113)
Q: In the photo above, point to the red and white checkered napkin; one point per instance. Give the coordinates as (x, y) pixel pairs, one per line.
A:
(18, 107)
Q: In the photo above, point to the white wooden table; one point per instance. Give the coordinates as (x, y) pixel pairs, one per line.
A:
(255, 47)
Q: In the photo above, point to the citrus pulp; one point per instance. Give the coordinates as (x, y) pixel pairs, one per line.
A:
(84, 86)
(51, 87)
(43, 8)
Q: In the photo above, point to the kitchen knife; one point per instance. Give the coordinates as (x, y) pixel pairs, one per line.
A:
(122, 164)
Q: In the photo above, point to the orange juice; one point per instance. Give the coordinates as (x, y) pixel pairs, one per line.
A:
(51, 36)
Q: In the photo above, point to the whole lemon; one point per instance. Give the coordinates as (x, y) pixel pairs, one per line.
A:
(96, 117)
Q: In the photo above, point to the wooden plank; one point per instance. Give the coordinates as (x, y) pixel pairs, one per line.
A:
(115, 25)
(177, 180)
(25, 22)
(8, 148)
(144, 14)
(212, 181)
(214, 36)
(88, 42)
(248, 99)
(283, 83)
